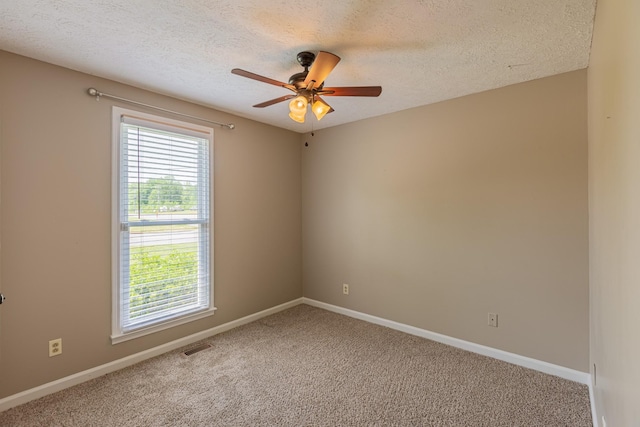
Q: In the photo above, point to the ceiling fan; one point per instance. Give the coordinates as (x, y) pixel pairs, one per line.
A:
(308, 85)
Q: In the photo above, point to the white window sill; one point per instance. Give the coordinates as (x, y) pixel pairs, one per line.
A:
(126, 336)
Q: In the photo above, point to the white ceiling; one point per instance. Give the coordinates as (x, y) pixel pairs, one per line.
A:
(419, 51)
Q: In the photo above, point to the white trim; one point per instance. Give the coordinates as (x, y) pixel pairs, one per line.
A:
(206, 249)
(592, 399)
(516, 359)
(118, 338)
(115, 217)
(80, 377)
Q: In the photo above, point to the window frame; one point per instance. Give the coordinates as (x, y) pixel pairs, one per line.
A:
(118, 333)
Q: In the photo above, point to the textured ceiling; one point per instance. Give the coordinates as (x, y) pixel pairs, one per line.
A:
(419, 51)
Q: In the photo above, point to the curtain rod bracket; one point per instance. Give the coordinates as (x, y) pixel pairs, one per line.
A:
(97, 94)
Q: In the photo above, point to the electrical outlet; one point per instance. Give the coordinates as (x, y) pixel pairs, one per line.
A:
(345, 289)
(55, 347)
(493, 320)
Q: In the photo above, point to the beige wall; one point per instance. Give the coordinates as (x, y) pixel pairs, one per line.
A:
(55, 221)
(614, 208)
(434, 216)
(437, 215)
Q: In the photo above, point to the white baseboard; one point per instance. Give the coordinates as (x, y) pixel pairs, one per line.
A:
(80, 377)
(516, 359)
(594, 412)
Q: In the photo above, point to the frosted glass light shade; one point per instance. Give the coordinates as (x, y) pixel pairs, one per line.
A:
(297, 117)
(298, 105)
(298, 108)
(320, 108)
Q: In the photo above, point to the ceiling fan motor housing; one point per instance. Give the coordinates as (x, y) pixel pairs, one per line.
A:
(298, 79)
(305, 59)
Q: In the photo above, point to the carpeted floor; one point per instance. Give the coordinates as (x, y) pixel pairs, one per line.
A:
(310, 367)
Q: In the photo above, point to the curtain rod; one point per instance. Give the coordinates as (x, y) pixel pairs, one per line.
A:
(97, 94)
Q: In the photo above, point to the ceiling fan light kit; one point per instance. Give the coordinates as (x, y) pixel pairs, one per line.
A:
(298, 108)
(308, 85)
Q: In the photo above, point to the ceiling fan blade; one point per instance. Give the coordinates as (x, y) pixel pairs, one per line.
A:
(274, 101)
(351, 91)
(253, 76)
(324, 63)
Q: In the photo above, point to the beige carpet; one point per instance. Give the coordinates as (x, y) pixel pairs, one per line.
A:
(310, 367)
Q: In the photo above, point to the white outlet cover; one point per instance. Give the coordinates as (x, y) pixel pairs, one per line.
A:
(493, 319)
(55, 347)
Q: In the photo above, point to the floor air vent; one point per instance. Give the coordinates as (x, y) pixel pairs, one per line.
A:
(197, 349)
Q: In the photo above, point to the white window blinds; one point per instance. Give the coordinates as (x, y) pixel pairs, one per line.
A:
(164, 222)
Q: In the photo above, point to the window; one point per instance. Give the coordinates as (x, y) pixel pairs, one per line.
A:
(162, 229)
